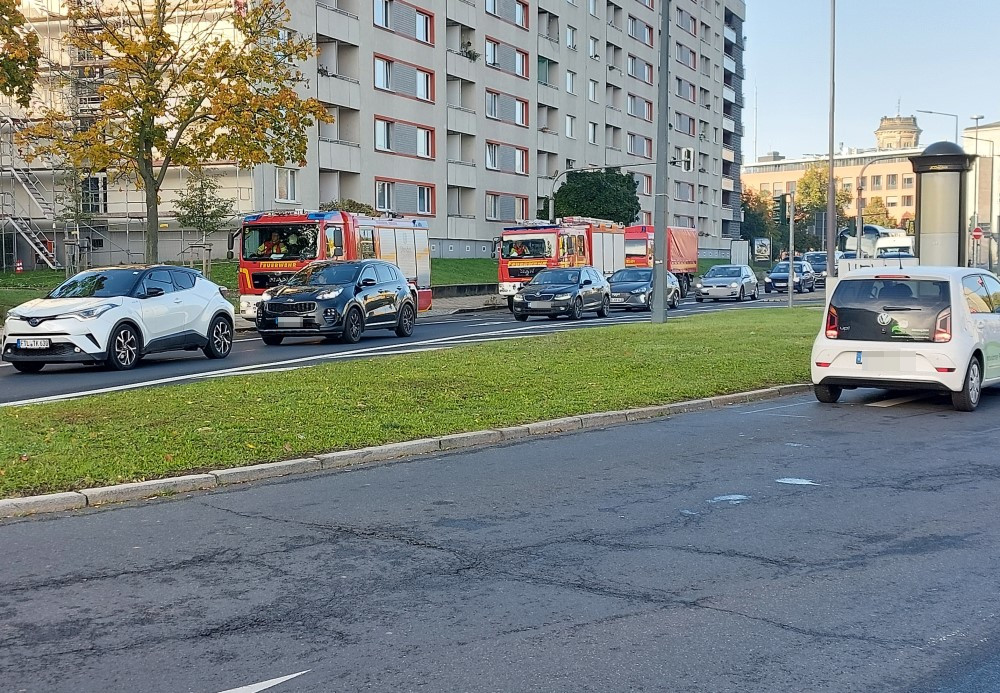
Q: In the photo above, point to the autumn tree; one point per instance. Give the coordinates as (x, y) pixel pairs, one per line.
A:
(348, 205)
(19, 54)
(201, 207)
(875, 212)
(183, 83)
(757, 222)
(810, 196)
(608, 194)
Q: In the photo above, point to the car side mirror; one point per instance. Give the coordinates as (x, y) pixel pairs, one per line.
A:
(153, 292)
(587, 282)
(368, 281)
(338, 252)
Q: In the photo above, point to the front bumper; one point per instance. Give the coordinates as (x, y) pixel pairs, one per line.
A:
(70, 341)
(248, 306)
(717, 292)
(510, 288)
(323, 319)
(535, 307)
(629, 300)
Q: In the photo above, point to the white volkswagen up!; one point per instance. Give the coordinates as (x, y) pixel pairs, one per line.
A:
(935, 328)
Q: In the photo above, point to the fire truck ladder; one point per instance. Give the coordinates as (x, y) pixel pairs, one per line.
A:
(11, 164)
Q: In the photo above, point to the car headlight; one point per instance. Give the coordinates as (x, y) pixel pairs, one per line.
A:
(767, 279)
(824, 273)
(734, 285)
(88, 313)
(14, 315)
(518, 297)
(798, 279)
(637, 291)
(329, 293)
(563, 297)
(698, 285)
(266, 296)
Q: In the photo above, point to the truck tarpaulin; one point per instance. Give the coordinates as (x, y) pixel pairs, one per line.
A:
(682, 250)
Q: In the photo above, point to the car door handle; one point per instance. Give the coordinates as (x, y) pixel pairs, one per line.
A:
(177, 300)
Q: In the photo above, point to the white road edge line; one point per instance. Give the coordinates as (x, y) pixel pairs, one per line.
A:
(264, 685)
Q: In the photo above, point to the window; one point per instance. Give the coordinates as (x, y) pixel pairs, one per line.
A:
(592, 133)
(638, 29)
(593, 48)
(491, 104)
(383, 135)
(492, 156)
(571, 37)
(521, 15)
(183, 280)
(571, 127)
(94, 193)
(907, 182)
(687, 56)
(521, 64)
(158, 279)
(521, 112)
(685, 89)
(647, 218)
(907, 200)
(491, 6)
(684, 123)
(385, 275)
(492, 205)
(425, 199)
(521, 161)
(846, 185)
(383, 196)
(382, 13)
(570, 81)
(592, 90)
(876, 182)
(423, 85)
(425, 147)
(993, 289)
(640, 107)
(640, 146)
(640, 69)
(491, 53)
(683, 191)
(646, 184)
(592, 6)
(284, 185)
(687, 22)
(383, 74)
(684, 221)
(543, 71)
(892, 202)
(976, 295)
(423, 32)
(892, 181)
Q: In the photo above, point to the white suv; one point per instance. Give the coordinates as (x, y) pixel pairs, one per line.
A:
(935, 328)
(117, 315)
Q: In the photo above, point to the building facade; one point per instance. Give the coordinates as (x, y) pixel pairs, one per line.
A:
(468, 113)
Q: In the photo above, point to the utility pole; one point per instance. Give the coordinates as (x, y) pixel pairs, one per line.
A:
(662, 169)
(791, 247)
(831, 185)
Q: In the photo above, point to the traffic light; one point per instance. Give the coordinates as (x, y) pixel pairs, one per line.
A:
(779, 210)
(687, 159)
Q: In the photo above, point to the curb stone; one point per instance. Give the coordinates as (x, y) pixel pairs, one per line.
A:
(57, 502)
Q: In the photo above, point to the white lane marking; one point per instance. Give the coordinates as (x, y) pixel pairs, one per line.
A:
(898, 400)
(264, 685)
(732, 499)
(796, 482)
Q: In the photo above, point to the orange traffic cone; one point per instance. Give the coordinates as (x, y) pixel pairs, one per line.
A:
(18, 267)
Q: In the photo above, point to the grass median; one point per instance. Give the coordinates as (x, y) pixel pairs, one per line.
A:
(234, 421)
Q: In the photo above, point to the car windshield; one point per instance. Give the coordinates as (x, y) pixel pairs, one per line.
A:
(557, 277)
(324, 275)
(782, 268)
(631, 275)
(97, 284)
(725, 271)
(524, 246)
(889, 309)
(279, 242)
(816, 258)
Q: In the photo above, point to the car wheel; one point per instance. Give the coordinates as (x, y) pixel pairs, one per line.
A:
(577, 311)
(123, 348)
(673, 301)
(698, 299)
(28, 366)
(404, 328)
(524, 318)
(605, 309)
(271, 339)
(352, 327)
(756, 293)
(767, 290)
(968, 398)
(827, 394)
(741, 297)
(510, 303)
(220, 339)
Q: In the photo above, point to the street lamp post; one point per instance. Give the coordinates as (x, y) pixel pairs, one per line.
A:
(831, 184)
(975, 175)
(950, 115)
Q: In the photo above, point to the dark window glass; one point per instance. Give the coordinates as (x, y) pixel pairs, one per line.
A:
(183, 280)
(993, 289)
(158, 279)
(324, 275)
(889, 310)
(976, 296)
(104, 284)
(368, 273)
(385, 274)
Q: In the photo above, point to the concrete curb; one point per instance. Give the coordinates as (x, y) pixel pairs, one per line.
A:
(57, 502)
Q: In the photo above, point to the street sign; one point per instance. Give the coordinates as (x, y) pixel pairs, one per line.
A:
(977, 233)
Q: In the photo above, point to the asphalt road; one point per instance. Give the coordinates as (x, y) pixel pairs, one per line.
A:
(251, 355)
(771, 547)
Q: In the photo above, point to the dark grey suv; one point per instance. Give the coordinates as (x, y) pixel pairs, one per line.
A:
(566, 291)
(331, 298)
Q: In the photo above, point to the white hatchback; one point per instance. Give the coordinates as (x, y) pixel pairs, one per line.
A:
(935, 328)
(117, 315)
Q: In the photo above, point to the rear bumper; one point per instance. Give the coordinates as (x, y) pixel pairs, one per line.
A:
(916, 366)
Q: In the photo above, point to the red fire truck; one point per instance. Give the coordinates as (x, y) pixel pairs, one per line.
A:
(527, 249)
(275, 245)
(682, 251)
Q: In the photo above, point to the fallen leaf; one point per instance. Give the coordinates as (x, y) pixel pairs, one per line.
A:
(287, 447)
(168, 458)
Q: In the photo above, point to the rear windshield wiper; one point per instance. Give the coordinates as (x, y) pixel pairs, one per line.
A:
(889, 309)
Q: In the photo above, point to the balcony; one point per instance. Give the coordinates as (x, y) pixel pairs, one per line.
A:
(460, 66)
(729, 94)
(461, 174)
(727, 213)
(728, 154)
(461, 119)
(728, 124)
(460, 226)
(548, 141)
(337, 90)
(548, 94)
(730, 34)
(614, 116)
(553, 7)
(463, 12)
(728, 183)
(548, 47)
(729, 64)
(544, 186)
(336, 24)
(337, 155)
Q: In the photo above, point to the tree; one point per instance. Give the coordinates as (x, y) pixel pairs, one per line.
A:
(810, 196)
(200, 207)
(348, 205)
(608, 194)
(20, 54)
(182, 83)
(875, 212)
(757, 221)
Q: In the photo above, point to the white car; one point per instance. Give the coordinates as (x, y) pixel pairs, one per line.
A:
(934, 328)
(117, 315)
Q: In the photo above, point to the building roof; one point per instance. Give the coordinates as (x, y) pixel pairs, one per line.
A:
(838, 159)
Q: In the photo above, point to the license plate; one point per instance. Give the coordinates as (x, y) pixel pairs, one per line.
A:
(289, 322)
(615, 299)
(33, 343)
(539, 304)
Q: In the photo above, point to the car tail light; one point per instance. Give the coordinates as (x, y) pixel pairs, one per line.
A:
(942, 326)
(945, 370)
(831, 323)
(224, 291)
(823, 364)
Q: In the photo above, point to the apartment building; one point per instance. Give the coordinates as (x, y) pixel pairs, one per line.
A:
(467, 113)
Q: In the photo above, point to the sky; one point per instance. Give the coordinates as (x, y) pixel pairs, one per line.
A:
(936, 55)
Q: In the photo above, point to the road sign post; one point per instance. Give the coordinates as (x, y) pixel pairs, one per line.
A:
(791, 247)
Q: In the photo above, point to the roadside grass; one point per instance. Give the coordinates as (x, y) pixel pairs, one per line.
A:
(10, 298)
(447, 271)
(235, 421)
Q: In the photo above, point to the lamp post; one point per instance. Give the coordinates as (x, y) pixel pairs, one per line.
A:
(975, 174)
(831, 184)
(950, 115)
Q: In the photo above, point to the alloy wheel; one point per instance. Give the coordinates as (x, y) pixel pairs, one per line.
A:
(222, 337)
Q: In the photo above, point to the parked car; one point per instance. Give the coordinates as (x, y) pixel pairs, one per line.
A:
(735, 282)
(117, 315)
(935, 328)
(632, 289)
(817, 260)
(566, 291)
(777, 278)
(331, 298)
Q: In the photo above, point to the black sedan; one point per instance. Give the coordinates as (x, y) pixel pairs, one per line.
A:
(632, 289)
(777, 278)
(331, 298)
(569, 291)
